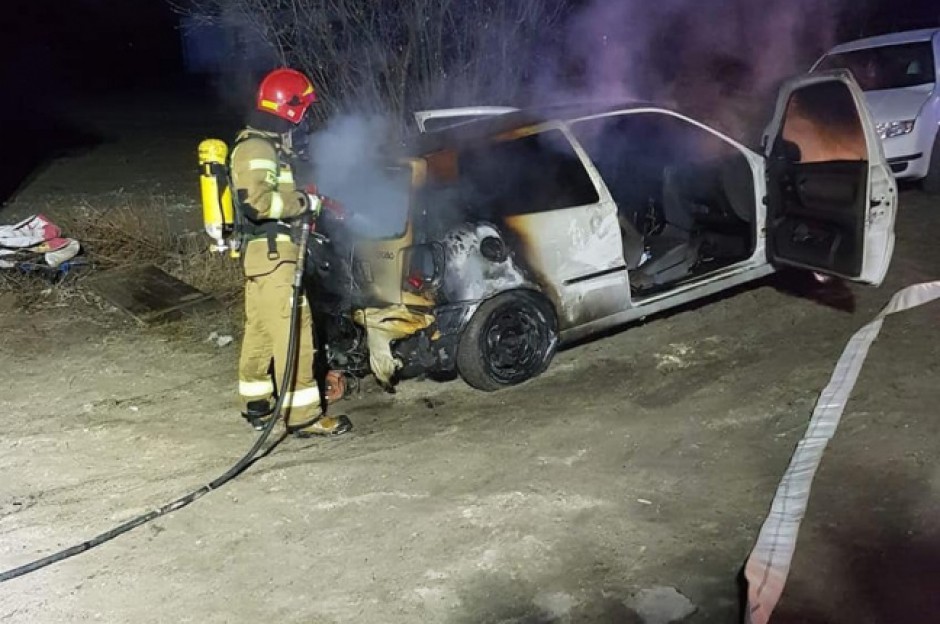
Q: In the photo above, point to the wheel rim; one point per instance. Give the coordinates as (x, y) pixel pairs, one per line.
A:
(514, 343)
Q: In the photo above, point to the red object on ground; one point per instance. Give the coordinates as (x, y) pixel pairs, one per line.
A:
(335, 386)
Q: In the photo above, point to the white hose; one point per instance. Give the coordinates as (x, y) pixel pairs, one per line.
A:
(769, 563)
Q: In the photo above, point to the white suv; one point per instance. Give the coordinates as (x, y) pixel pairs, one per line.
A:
(898, 73)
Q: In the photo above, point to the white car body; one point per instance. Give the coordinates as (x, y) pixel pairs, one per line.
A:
(822, 212)
(911, 154)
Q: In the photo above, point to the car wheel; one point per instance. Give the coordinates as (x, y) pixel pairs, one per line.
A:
(931, 183)
(510, 339)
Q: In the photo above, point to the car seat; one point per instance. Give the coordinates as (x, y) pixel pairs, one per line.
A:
(729, 227)
(674, 252)
(737, 182)
(634, 245)
(678, 208)
(671, 259)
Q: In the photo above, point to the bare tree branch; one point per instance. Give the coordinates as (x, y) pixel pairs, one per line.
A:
(396, 55)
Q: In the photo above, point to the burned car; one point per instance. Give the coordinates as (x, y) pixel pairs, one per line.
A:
(528, 229)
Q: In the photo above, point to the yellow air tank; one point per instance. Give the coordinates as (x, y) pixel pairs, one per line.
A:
(218, 214)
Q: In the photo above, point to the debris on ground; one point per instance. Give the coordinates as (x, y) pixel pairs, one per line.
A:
(662, 605)
(220, 340)
(676, 359)
(36, 245)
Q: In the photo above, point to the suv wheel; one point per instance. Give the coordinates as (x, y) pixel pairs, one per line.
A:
(510, 339)
(931, 183)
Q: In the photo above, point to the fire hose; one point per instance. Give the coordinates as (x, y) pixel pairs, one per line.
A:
(768, 565)
(237, 468)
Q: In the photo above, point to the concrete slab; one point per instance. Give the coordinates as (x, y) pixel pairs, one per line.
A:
(148, 294)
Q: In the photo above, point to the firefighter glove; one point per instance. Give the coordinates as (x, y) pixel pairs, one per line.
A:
(312, 204)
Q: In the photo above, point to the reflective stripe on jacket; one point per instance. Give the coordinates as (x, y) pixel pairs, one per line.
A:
(262, 181)
(263, 184)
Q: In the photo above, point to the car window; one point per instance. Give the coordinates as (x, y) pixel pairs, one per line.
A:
(634, 151)
(823, 123)
(887, 67)
(520, 175)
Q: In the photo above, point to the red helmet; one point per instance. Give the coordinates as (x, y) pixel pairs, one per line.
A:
(286, 93)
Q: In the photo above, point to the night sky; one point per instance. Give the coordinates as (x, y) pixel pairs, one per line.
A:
(102, 44)
(89, 44)
(54, 50)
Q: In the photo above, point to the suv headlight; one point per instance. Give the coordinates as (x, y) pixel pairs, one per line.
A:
(891, 129)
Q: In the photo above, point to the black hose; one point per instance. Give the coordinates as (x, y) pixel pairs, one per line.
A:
(229, 474)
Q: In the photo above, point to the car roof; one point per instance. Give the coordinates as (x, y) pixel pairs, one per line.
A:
(909, 36)
(481, 129)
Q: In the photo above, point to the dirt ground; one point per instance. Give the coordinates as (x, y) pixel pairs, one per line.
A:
(645, 459)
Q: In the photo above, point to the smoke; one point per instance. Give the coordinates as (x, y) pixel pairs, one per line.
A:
(353, 161)
(223, 45)
(720, 61)
(704, 57)
(715, 59)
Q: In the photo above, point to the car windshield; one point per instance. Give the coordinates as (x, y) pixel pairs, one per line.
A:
(888, 67)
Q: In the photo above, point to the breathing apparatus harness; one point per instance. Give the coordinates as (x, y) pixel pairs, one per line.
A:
(220, 216)
(224, 211)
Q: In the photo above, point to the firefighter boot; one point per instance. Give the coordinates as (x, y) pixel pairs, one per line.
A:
(322, 426)
(258, 413)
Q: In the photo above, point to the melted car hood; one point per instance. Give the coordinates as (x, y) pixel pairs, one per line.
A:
(897, 104)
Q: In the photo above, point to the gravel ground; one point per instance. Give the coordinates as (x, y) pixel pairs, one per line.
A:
(640, 465)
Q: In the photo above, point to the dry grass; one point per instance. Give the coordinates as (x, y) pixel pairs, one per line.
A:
(133, 234)
(119, 232)
(31, 292)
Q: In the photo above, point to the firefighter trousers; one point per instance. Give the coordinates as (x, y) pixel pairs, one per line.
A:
(268, 302)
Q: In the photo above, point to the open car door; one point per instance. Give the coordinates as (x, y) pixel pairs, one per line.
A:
(440, 119)
(831, 198)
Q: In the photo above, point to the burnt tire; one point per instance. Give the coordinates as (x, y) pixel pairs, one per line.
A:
(931, 182)
(510, 339)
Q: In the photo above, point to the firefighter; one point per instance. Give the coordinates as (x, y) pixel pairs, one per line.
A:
(269, 204)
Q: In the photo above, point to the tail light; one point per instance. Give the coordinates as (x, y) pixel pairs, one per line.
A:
(423, 267)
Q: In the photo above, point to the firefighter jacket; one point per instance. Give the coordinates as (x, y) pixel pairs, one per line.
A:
(267, 200)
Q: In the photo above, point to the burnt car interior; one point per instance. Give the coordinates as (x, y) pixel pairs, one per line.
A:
(497, 179)
(685, 197)
(487, 183)
(818, 187)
